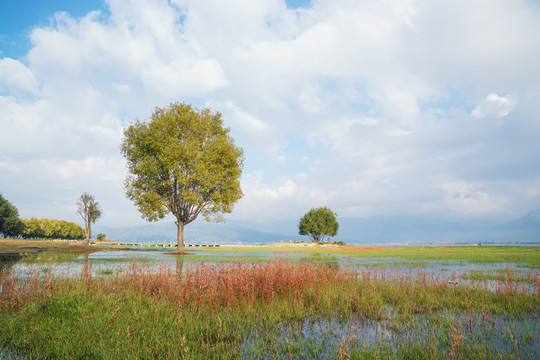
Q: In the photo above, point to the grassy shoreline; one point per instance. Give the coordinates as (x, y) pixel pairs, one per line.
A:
(62, 246)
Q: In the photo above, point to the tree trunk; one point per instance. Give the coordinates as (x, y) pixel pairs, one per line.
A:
(180, 237)
(87, 231)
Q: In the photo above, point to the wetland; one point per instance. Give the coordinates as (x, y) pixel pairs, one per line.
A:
(347, 302)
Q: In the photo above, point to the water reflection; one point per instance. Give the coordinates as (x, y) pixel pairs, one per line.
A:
(179, 265)
(7, 260)
(87, 266)
(106, 263)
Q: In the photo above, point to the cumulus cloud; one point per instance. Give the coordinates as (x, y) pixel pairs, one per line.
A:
(255, 134)
(16, 78)
(181, 78)
(364, 106)
(469, 198)
(277, 199)
(494, 105)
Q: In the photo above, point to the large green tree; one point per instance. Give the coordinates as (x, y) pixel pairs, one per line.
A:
(184, 162)
(318, 224)
(90, 210)
(10, 224)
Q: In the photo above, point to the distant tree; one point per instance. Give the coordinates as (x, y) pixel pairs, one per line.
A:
(47, 229)
(76, 232)
(51, 229)
(184, 162)
(32, 229)
(318, 223)
(14, 228)
(90, 211)
(10, 224)
(101, 236)
(63, 229)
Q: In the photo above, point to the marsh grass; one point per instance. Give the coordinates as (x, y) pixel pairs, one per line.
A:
(275, 309)
(502, 275)
(47, 257)
(18, 246)
(106, 271)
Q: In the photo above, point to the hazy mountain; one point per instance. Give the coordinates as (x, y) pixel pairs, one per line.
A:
(398, 229)
(526, 228)
(232, 233)
(380, 230)
(531, 221)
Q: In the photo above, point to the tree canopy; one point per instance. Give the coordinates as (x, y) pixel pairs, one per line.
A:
(90, 210)
(51, 229)
(184, 162)
(318, 224)
(10, 224)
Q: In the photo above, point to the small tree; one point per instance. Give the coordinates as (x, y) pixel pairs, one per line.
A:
(183, 162)
(318, 223)
(101, 236)
(90, 211)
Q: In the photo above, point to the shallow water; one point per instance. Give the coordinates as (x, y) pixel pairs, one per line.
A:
(326, 339)
(109, 261)
(6, 354)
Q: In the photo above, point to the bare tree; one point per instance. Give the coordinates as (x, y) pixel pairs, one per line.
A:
(90, 211)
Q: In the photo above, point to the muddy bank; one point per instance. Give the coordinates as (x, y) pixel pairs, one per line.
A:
(9, 247)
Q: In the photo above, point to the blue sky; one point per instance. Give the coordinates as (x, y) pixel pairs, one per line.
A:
(19, 17)
(371, 108)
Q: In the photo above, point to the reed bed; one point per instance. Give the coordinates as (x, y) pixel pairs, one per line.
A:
(275, 309)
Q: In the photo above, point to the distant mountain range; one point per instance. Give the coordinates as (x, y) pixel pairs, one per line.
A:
(380, 230)
(199, 232)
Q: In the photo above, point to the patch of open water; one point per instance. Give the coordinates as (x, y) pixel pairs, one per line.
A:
(331, 338)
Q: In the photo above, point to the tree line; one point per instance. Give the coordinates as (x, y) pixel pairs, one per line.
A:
(51, 229)
(11, 226)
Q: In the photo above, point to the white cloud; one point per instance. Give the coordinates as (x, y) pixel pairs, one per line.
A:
(494, 105)
(310, 98)
(360, 105)
(250, 131)
(468, 198)
(182, 78)
(281, 198)
(97, 168)
(16, 78)
(261, 199)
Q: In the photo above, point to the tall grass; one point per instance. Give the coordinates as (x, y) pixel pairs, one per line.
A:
(274, 309)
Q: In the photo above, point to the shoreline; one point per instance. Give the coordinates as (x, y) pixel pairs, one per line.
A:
(64, 246)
